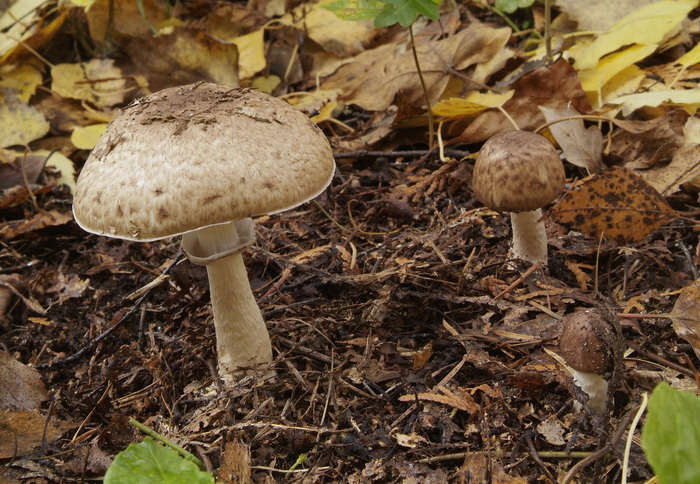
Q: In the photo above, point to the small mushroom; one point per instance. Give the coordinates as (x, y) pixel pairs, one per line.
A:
(520, 172)
(588, 344)
(200, 160)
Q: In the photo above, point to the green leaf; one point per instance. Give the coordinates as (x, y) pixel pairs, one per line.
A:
(355, 9)
(671, 435)
(149, 462)
(405, 12)
(510, 6)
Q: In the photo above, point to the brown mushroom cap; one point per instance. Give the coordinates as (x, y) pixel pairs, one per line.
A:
(581, 344)
(198, 155)
(517, 171)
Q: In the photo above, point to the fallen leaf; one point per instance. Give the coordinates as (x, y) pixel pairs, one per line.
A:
(593, 80)
(251, 53)
(410, 441)
(15, 167)
(645, 26)
(20, 386)
(85, 137)
(22, 430)
(36, 222)
(19, 40)
(62, 164)
(23, 79)
(98, 81)
(686, 316)
(473, 103)
(460, 400)
(552, 431)
(554, 86)
(19, 123)
(688, 99)
(185, 56)
(581, 146)
(377, 75)
(599, 14)
(617, 204)
(341, 37)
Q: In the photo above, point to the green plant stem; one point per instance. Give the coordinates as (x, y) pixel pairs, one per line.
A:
(548, 30)
(431, 121)
(190, 457)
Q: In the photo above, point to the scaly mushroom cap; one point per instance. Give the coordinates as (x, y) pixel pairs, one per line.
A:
(517, 171)
(198, 155)
(581, 344)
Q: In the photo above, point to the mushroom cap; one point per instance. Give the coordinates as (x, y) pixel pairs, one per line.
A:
(581, 343)
(517, 171)
(198, 155)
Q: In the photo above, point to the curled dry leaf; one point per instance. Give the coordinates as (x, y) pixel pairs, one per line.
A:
(617, 204)
(686, 316)
(582, 147)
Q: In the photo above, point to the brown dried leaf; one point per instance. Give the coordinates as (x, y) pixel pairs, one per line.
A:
(22, 430)
(38, 221)
(686, 316)
(460, 400)
(617, 204)
(20, 386)
(553, 86)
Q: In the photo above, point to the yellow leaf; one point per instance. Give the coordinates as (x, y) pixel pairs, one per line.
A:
(593, 79)
(691, 57)
(63, 164)
(84, 4)
(19, 123)
(266, 84)
(688, 99)
(23, 80)
(325, 113)
(647, 25)
(625, 82)
(341, 37)
(251, 53)
(473, 103)
(97, 81)
(85, 138)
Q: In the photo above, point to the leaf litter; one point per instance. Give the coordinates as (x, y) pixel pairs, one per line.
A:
(408, 345)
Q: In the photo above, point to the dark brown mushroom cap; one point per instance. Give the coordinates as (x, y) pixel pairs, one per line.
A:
(517, 171)
(198, 155)
(581, 344)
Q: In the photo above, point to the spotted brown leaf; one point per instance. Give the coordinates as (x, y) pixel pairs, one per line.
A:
(617, 204)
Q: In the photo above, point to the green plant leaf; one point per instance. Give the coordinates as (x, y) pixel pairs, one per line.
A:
(405, 12)
(671, 435)
(510, 6)
(355, 9)
(149, 462)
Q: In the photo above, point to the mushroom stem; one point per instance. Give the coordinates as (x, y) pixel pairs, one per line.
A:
(595, 386)
(529, 236)
(242, 339)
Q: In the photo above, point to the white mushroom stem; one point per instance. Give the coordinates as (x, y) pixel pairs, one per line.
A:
(595, 386)
(242, 339)
(529, 236)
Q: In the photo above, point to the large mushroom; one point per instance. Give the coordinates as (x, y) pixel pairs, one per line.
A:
(200, 160)
(520, 172)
